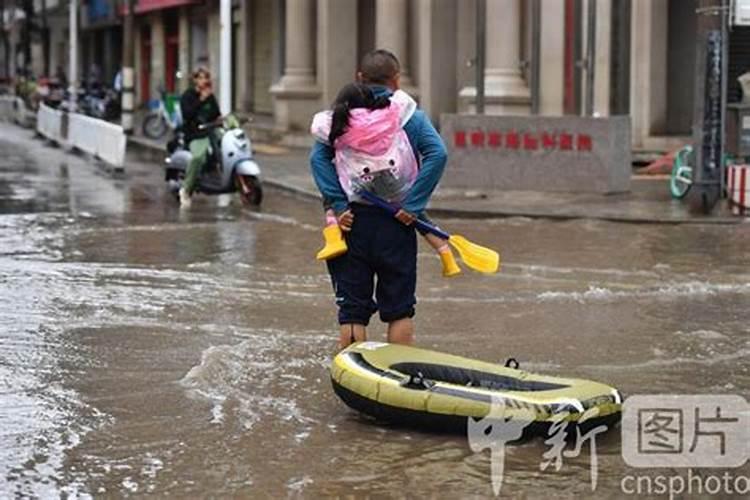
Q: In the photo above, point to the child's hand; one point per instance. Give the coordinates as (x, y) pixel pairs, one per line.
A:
(346, 219)
(405, 217)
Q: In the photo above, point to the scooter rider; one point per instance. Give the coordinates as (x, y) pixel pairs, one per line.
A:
(198, 106)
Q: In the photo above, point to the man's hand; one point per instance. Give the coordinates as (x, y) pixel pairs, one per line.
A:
(346, 219)
(405, 217)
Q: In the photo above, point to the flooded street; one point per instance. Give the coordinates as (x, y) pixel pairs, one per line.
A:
(145, 350)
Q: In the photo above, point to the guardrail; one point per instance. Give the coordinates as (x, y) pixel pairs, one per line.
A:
(103, 140)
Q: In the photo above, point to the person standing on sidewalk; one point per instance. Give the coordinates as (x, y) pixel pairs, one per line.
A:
(199, 107)
(380, 245)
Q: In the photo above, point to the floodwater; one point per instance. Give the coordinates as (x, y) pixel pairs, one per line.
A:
(148, 351)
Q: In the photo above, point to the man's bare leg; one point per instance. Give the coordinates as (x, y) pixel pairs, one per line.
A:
(350, 333)
(401, 331)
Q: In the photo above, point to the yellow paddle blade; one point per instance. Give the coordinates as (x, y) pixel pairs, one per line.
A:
(477, 257)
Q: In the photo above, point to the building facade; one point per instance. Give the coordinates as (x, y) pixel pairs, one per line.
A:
(100, 41)
(290, 57)
(643, 57)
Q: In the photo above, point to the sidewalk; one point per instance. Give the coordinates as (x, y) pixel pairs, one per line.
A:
(648, 202)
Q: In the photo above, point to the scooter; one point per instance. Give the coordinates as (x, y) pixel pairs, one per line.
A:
(103, 103)
(229, 167)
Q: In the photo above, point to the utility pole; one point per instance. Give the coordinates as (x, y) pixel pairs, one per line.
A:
(4, 39)
(590, 56)
(28, 15)
(73, 57)
(536, 42)
(11, 44)
(128, 64)
(710, 104)
(225, 57)
(481, 42)
(45, 40)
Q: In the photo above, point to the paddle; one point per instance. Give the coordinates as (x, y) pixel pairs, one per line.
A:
(477, 257)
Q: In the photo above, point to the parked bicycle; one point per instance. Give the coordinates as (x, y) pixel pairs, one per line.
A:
(165, 115)
(681, 177)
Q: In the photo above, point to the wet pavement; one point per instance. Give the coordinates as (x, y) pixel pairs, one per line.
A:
(148, 350)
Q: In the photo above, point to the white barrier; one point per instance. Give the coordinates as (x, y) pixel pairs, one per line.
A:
(102, 139)
(99, 138)
(49, 123)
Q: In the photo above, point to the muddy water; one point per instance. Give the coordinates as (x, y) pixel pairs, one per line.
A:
(148, 351)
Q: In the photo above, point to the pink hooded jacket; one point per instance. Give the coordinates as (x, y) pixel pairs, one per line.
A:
(374, 153)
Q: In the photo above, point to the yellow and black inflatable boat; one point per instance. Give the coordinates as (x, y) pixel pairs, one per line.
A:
(434, 391)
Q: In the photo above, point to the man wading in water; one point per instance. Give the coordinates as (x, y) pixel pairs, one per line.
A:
(379, 244)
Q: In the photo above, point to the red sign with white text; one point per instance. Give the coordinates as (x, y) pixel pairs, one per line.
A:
(522, 141)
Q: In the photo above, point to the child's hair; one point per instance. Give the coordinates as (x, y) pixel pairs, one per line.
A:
(353, 95)
(379, 67)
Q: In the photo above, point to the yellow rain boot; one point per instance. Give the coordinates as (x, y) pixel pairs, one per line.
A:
(335, 243)
(450, 268)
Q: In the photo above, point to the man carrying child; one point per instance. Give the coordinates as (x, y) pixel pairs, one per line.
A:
(380, 245)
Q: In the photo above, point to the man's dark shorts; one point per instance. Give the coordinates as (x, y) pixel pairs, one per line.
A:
(379, 245)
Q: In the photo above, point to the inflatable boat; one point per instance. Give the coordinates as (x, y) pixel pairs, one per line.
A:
(438, 392)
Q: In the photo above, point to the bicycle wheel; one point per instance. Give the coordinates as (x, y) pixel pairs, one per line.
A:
(154, 127)
(681, 177)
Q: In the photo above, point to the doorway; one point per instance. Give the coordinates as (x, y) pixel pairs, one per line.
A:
(171, 50)
(681, 58)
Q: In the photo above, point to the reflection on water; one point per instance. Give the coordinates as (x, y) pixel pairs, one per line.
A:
(144, 350)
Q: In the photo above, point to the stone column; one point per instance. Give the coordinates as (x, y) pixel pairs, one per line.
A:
(214, 50)
(244, 59)
(603, 59)
(552, 71)
(184, 60)
(391, 29)
(337, 46)
(436, 67)
(296, 94)
(157, 54)
(505, 90)
(648, 72)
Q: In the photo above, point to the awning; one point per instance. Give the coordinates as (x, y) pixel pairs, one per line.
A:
(150, 5)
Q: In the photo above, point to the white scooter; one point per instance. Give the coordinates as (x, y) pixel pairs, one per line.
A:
(231, 168)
